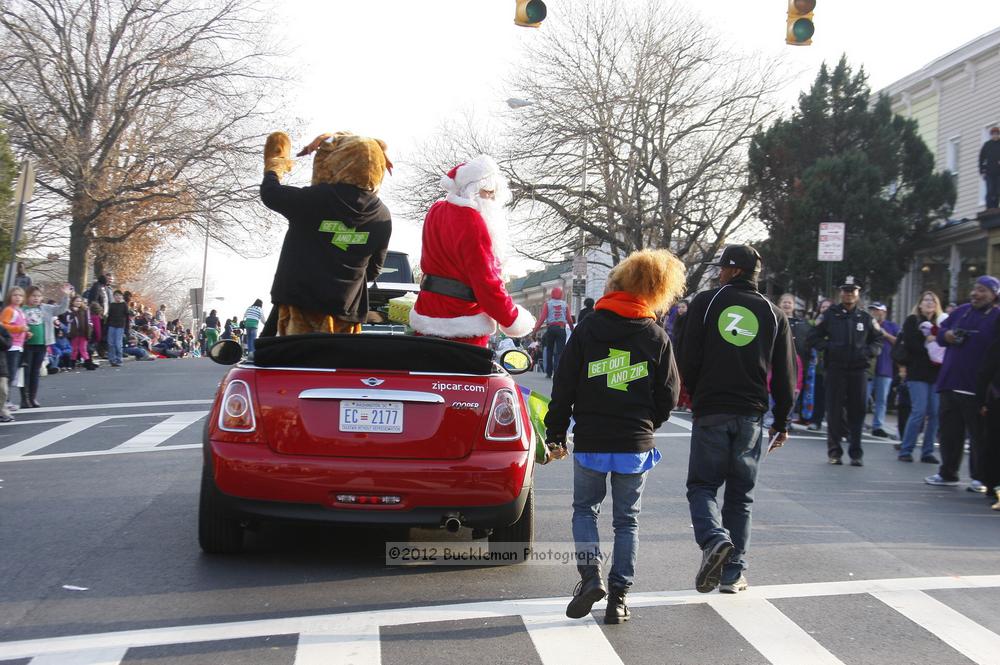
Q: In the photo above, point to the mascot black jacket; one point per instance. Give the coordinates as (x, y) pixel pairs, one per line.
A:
(336, 243)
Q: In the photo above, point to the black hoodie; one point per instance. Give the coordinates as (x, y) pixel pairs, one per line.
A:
(618, 379)
(321, 269)
(733, 338)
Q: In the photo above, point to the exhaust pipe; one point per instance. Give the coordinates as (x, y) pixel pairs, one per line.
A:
(452, 524)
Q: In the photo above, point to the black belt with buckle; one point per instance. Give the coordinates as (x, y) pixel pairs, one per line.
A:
(447, 287)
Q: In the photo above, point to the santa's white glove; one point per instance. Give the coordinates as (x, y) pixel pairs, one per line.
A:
(523, 324)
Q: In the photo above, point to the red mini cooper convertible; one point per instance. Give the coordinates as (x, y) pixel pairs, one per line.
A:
(367, 429)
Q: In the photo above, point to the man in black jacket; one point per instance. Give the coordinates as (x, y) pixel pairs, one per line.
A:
(733, 338)
(849, 338)
(989, 167)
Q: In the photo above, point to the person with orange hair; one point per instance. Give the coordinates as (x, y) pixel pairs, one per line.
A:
(618, 380)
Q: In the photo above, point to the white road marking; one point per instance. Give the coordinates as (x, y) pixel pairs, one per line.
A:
(99, 656)
(41, 421)
(951, 627)
(683, 424)
(562, 641)
(162, 431)
(96, 453)
(118, 405)
(351, 642)
(356, 636)
(48, 437)
(774, 635)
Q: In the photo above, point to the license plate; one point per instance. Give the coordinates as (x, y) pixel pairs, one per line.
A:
(364, 416)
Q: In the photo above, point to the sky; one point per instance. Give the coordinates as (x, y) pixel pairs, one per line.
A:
(398, 69)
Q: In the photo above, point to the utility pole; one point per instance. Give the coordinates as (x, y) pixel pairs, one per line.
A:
(22, 195)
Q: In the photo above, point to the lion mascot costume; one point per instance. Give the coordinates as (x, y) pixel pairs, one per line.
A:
(338, 232)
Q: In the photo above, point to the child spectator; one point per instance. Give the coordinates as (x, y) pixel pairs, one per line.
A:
(62, 350)
(79, 333)
(5, 416)
(618, 379)
(96, 328)
(38, 317)
(117, 320)
(12, 318)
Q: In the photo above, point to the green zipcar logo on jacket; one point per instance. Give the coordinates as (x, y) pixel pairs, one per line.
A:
(343, 235)
(738, 325)
(618, 369)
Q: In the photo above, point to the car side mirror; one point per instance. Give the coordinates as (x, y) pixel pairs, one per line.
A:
(226, 352)
(515, 361)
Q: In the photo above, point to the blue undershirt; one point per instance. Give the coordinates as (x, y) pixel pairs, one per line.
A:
(619, 462)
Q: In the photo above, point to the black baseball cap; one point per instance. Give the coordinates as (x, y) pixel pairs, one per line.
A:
(850, 283)
(738, 256)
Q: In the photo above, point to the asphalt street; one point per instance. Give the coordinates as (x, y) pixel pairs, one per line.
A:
(99, 560)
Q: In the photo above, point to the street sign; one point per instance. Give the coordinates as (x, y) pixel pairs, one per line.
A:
(579, 265)
(831, 241)
(579, 287)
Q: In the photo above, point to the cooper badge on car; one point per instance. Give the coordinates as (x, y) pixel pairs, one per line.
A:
(372, 381)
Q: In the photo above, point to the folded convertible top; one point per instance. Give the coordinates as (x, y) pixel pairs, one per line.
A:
(372, 352)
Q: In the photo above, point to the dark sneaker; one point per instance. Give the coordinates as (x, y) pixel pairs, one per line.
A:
(713, 558)
(588, 591)
(938, 481)
(835, 461)
(880, 433)
(905, 458)
(734, 586)
(857, 462)
(930, 459)
(617, 611)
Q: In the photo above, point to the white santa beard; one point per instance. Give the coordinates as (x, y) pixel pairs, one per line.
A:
(496, 223)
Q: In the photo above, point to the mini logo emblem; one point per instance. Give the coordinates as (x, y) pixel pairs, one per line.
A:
(372, 381)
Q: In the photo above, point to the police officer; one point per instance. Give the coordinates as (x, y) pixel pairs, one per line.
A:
(849, 338)
(732, 339)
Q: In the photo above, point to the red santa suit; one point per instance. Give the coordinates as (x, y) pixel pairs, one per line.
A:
(459, 246)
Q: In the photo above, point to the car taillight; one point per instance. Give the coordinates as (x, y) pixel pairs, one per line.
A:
(505, 417)
(236, 411)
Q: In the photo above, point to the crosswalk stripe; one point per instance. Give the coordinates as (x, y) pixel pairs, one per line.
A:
(100, 656)
(117, 405)
(94, 453)
(774, 635)
(562, 641)
(961, 633)
(48, 437)
(767, 629)
(351, 642)
(162, 431)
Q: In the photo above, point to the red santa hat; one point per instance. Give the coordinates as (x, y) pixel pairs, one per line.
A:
(464, 181)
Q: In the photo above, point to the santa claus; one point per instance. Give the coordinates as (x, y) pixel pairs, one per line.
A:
(462, 294)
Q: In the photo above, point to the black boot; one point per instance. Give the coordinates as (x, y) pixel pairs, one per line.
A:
(90, 364)
(24, 399)
(31, 398)
(589, 590)
(617, 610)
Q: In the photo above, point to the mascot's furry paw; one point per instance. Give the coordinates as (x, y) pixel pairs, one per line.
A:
(278, 154)
(522, 325)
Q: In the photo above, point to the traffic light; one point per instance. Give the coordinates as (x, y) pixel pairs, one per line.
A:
(800, 27)
(529, 13)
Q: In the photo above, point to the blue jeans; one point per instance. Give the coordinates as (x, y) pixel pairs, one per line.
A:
(251, 339)
(589, 489)
(725, 449)
(924, 403)
(115, 339)
(879, 385)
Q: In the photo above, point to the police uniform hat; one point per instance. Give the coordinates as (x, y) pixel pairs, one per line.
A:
(850, 283)
(738, 256)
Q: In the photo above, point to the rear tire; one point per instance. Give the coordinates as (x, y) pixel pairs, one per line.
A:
(515, 537)
(218, 532)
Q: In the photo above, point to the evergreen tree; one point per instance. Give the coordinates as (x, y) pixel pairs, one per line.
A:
(8, 177)
(842, 158)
